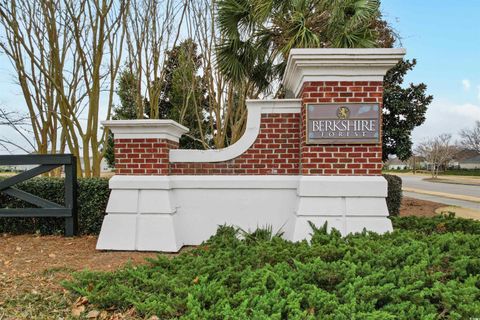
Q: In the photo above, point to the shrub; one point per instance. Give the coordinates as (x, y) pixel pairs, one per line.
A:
(437, 224)
(394, 197)
(93, 196)
(401, 275)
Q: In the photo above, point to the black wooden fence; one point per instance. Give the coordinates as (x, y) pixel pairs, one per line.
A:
(45, 208)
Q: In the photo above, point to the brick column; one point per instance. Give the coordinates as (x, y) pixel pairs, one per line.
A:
(340, 159)
(143, 156)
(341, 77)
(142, 146)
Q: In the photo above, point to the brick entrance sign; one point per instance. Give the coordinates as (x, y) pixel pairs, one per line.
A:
(342, 159)
(314, 157)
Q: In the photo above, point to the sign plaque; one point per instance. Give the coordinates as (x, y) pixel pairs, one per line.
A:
(348, 123)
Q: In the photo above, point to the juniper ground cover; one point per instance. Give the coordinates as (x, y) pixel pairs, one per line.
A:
(428, 268)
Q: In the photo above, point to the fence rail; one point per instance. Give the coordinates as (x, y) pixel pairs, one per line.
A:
(45, 208)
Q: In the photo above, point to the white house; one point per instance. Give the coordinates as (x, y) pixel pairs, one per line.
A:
(396, 164)
(470, 163)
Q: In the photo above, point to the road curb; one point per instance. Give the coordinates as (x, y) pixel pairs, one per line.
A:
(457, 182)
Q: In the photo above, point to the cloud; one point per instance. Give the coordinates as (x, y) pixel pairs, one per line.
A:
(466, 84)
(446, 117)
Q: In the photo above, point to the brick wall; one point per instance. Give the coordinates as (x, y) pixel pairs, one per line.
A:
(355, 159)
(142, 156)
(280, 148)
(276, 151)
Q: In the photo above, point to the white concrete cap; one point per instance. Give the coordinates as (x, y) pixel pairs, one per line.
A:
(328, 64)
(146, 128)
(255, 110)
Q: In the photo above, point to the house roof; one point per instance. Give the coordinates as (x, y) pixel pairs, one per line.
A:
(475, 159)
(465, 154)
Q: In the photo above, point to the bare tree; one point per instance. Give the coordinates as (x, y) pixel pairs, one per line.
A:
(437, 152)
(471, 137)
(26, 28)
(413, 163)
(19, 124)
(227, 112)
(154, 27)
(66, 55)
(98, 29)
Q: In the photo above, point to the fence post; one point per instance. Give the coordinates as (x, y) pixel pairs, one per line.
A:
(71, 222)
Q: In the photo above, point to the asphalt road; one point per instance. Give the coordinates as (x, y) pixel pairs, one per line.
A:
(417, 182)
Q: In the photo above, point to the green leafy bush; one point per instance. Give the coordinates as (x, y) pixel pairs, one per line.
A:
(394, 198)
(408, 274)
(93, 196)
(437, 224)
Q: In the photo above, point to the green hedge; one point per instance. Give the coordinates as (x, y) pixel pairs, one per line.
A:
(394, 198)
(93, 196)
(412, 273)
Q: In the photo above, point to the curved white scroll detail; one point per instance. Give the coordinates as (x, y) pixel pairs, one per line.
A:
(255, 110)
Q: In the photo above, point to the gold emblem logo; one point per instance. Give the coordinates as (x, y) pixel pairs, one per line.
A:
(343, 113)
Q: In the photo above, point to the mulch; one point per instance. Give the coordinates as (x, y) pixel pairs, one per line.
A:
(30, 263)
(419, 208)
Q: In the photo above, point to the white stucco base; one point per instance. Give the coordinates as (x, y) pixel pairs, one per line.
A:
(164, 213)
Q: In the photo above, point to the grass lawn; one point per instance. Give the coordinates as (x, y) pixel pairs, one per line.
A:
(450, 172)
(462, 172)
(428, 268)
(385, 171)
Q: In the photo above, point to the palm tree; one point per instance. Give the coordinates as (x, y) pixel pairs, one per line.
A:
(257, 35)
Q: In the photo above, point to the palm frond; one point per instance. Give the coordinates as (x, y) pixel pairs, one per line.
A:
(262, 9)
(349, 25)
(234, 16)
(259, 34)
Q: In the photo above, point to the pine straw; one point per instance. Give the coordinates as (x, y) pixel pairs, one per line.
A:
(32, 267)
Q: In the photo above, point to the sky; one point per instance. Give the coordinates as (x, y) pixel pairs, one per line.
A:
(444, 37)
